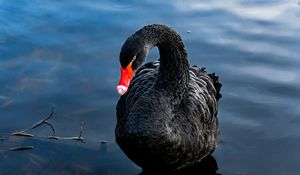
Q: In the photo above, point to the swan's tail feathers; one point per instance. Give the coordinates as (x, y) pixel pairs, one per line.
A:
(217, 85)
(199, 71)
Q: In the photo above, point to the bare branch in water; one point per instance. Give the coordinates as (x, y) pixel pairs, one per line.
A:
(53, 136)
(71, 138)
(79, 138)
(103, 141)
(22, 133)
(51, 126)
(81, 129)
(19, 148)
(44, 121)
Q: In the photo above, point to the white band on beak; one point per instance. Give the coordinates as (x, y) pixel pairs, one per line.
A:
(121, 89)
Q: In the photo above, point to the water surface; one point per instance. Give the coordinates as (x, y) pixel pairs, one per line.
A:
(65, 54)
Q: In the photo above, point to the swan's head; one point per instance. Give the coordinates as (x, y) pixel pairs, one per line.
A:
(133, 54)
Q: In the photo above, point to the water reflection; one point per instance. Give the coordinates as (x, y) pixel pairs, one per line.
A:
(244, 9)
(208, 166)
(62, 157)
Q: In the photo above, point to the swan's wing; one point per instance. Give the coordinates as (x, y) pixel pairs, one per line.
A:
(205, 88)
(212, 80)
(197, 120)
(202, 104)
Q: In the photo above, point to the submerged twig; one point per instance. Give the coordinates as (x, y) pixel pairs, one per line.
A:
(22, 133)
(53, 137)
(71, 138)
(103, 141)
(19, 148)
(79, 138)
(51, 126)
(45, 121)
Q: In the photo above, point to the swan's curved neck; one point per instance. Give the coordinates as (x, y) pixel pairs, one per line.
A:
(174, 67)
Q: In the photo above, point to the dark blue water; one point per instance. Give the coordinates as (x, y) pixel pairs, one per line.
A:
(65, 54)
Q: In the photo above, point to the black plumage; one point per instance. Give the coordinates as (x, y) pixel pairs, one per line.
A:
(168, 117)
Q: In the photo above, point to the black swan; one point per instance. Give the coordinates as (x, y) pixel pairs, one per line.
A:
(167, 113)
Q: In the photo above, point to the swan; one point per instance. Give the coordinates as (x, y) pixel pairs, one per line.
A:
(167, 111)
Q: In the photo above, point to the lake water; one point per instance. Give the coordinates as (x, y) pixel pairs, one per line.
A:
(64, 54)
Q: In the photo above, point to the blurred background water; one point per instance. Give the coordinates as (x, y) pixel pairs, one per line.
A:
(65, 54)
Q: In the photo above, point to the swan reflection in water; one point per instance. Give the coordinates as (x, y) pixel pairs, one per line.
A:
(208, 166)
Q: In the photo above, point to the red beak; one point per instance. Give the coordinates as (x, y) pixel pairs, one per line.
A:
(126, 76)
